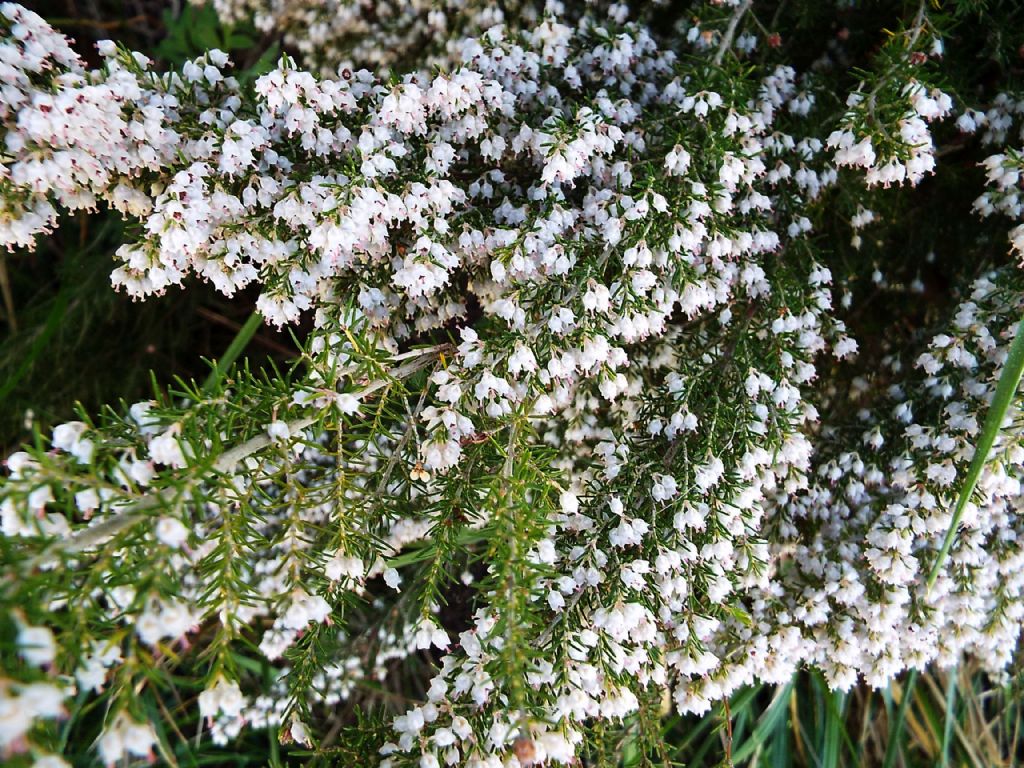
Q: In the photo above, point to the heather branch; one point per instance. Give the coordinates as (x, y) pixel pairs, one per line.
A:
(730, 31)
(225, 464)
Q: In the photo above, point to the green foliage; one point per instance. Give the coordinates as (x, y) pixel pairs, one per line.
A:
(196, 29)
(332, 488)
(63, 305)
(957, 717)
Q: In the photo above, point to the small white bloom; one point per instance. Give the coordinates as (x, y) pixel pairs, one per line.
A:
(87, 500)
(171, 531)
(569, 503)
(300, 733)
(165, 449)
(393, 579)
(36, 645)
(223, 697)
(278, 431)
(347, 403)
(344, 566)
(664, 488)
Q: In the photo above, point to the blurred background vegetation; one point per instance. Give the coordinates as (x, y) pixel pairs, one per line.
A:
(67, 339)
(65, 336)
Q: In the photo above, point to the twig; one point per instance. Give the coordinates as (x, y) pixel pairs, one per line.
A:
(5, 289)
(393, 461)
(102, 531)
(230, 460)
(730, 31)
(226, 463)
(216, 317)
(96, 24)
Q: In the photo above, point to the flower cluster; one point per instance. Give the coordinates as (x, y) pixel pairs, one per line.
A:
(911, 155)
(331, 35)
(1003, 177)
(574, 350)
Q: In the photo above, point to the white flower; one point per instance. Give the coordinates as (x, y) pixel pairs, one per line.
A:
(140, 413)
(305, 608)
(149, 628)
(392, 578)
(441, 455)
(224, 697)
(36, 645)
(166, 449)
(299, 732)
(347, 403)
(167, 619)
(428, 634)
(87, 500)
(171, 531)
(845, 347)
(15, 720)
(708, 475)
(569, 503)
(555, 600)
(279, 431)
(43, 700)
(93, 673)
(677, 162)
(40, 497)
(68, 437)
(125, 737)
(345, 566)
(664, 488)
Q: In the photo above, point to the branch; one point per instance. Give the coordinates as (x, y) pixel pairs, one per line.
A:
(730, 31)
(228, 461)
(132, 513)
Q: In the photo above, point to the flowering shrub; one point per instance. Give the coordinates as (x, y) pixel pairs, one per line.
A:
(578, 425)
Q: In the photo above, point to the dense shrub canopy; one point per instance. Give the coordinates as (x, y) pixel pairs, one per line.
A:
(645, 352)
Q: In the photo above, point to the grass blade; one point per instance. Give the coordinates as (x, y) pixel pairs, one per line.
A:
(947, 731)
(770, 724)
(53, 322)
(896, 730)
(1006, 389)
(781, 755)
(237, 346)
(833, 728)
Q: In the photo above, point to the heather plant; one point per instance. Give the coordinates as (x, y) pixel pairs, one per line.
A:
(644, 355)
